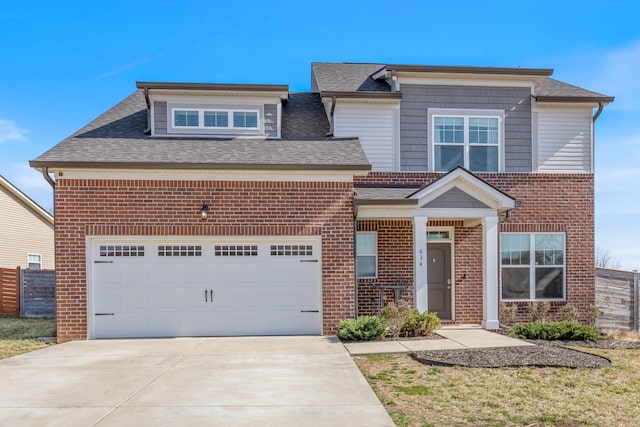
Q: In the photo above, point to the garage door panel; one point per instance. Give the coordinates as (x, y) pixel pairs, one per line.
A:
(256, 291)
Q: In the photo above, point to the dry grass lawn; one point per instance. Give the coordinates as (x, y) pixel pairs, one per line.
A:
(17, 334)
(418, 395)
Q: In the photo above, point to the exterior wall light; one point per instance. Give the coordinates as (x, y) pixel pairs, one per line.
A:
(204, 211)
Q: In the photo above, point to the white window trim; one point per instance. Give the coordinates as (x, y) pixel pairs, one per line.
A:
(230, 119)
(532, 268)
(466, 114)
(375, 276)
(29, 262)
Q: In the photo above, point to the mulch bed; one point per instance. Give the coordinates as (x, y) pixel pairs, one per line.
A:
(543, 354)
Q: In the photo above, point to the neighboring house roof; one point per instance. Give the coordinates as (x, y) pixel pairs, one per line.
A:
(116, 140)
(333, 78)
(26, 201)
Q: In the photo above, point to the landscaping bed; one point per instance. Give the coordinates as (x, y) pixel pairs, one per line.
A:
(539, 355)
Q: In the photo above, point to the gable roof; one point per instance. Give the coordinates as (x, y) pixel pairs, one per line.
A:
(26, 201)
(116, 140)
(353, 77)
(459, 179)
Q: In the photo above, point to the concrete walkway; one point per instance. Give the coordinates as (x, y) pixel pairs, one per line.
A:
(454, 338)
(240, 381)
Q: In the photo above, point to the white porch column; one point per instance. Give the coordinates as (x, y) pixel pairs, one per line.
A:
(490, 272)
(420, 262)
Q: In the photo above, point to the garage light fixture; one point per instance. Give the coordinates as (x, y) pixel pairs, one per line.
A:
(204, 211)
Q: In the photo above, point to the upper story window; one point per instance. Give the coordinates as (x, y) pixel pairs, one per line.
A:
(468, 138)
(218, 119)
(34, 261)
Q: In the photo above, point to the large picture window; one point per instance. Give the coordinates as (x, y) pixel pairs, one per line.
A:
(366, 255)
(532, 266)
(470, 141)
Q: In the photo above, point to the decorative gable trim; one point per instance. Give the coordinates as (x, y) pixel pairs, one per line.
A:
(461, 180)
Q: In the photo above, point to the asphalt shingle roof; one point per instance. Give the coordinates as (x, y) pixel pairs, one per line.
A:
(555, 88)
(344, 77)
(352, 77)
(117, 137)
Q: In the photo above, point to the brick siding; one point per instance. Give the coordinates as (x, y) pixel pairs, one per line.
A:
(162, 208)
(550, 203)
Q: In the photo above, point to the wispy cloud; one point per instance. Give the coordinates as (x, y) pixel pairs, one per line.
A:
(129, 66)
(10, 131)
(612, 71)
(27, 178)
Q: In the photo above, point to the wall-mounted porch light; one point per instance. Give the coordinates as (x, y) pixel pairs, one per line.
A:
(204, 211)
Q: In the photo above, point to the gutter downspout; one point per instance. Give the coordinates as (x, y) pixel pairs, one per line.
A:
(597, 114)
(331, 120)
(47, 177)
(147, 131)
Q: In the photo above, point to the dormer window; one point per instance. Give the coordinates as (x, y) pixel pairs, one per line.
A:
(219, 119)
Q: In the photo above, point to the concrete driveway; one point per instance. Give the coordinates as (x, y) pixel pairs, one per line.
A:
(266, 381)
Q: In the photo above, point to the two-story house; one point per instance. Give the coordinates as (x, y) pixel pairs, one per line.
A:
(217, 209)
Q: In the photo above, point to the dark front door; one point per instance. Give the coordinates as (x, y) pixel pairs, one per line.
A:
(439, 279)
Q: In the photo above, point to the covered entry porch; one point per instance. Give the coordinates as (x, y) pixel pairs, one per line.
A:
(440, 240)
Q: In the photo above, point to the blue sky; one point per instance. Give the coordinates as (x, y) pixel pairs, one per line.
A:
(64, 63)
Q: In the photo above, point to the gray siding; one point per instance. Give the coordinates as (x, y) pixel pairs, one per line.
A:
(455, 198)
(271, 120)
(160, 117)
(414, 132)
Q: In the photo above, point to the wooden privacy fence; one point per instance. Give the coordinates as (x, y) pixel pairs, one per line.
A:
(10, 291)
(617, 296)
(27, 293)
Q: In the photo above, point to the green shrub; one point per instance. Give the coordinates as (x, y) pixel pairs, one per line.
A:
(554, 331)
(420, 324)
(363, 328)
(395, 316)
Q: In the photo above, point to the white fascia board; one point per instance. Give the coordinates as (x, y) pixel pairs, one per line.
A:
(363, 101)
(564, 106)
(210, 175)
(394, 212)
(468, 183)
(380, 74)
(240, 98)
(467, 80)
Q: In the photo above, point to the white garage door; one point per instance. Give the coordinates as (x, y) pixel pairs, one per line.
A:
(169, 288)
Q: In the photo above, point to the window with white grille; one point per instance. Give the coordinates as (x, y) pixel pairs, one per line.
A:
(121, 250)
(179, 250)
(236, 250)
(291, 250)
